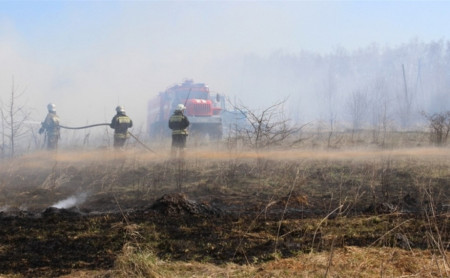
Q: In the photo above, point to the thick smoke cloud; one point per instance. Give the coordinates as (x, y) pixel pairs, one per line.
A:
(89, 57)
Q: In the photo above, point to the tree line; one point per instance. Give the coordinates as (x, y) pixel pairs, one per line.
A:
(377, 88)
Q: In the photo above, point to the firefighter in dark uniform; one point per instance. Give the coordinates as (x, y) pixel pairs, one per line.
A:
(178, 123)
(120, 123)
(51, 127)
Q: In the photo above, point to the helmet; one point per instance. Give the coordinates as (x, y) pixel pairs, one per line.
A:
(51, 107)
(120, 109)
(180, 107)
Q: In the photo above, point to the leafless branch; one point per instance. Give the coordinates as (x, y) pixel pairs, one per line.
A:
(267, 127)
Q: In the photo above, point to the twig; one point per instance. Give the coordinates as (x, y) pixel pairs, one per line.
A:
(432, 224)
(120, 208)
(330, 260)
(388, 232)
(325, 218)
(285, 208)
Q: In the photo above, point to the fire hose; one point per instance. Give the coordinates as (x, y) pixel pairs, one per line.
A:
(89, 126)
(81, 127)
(145, 146)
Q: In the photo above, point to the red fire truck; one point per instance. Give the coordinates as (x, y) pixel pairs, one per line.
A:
(203, 111)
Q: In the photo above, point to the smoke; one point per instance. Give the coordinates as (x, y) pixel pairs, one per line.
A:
(256, 53)
(4, 208)
(72, 201)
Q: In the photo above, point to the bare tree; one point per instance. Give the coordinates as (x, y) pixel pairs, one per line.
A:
(14, 116)
(330, 100)
(380, 106)
(3, 147)
(405, 102)
(267, 127)
(357, 107)
(439, 124)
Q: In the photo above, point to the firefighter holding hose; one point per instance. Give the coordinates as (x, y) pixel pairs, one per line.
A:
(120, 123)
(178, 123)
(51, 127)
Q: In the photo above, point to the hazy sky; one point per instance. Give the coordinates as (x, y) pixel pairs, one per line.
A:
(89, 56)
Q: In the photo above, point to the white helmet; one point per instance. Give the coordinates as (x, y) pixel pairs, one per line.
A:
(120, 109)
(51, 107)
(181, 107)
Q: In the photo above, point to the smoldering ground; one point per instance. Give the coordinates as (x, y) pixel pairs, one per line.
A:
(90, 178)
(215, 206)
(71, 201)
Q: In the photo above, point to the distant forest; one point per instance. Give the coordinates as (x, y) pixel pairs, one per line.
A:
(365, 88)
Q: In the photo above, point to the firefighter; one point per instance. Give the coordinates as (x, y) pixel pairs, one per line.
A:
(51, 127)
(178, 123)
(120, 123)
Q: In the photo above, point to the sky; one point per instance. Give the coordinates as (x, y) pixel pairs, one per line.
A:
(87, 57)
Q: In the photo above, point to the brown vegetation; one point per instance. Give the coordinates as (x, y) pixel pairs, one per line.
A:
(224, 214)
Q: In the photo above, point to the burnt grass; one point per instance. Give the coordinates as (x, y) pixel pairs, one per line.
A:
(241, 211)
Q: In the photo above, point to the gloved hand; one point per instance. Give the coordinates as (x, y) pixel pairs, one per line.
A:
(41, 130)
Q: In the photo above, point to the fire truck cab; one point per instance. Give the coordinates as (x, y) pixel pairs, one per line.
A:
(203, 111)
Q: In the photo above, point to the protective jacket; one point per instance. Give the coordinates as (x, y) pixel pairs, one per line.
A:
(120, 123)
(178, 123)
(51, 125)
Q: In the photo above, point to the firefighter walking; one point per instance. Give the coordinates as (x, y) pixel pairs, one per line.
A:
(120, 123)
(51, 127)
(178, 123)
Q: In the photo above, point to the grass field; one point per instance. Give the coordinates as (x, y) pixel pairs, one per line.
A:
(297, 213)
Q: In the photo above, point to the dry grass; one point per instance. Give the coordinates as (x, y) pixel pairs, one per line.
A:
(42, 159)
(348, 179)
(347, 262)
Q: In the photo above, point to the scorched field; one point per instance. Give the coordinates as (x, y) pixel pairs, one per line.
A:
(226, 214)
